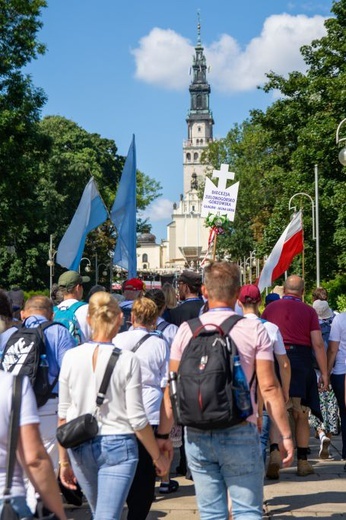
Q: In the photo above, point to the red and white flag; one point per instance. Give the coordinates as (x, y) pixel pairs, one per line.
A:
(286, 248)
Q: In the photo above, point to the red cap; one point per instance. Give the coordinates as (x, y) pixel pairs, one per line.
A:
(249, 294)
(134, 284)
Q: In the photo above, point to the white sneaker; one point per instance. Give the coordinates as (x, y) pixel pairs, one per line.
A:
(324, 448)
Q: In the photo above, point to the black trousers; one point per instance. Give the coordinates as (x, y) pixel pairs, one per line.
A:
(142, 491)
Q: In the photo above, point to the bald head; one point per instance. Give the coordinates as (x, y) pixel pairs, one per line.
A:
(294, 285)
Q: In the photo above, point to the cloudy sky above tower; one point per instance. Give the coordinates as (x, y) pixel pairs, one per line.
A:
(123, 69)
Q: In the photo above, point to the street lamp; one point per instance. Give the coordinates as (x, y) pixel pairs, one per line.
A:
(97, 272)
(342, 153)
(315, 221)
(87, 267)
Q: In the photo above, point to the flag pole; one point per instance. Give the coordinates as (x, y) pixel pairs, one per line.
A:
(214, 247)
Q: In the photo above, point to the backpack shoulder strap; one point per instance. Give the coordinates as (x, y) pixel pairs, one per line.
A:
(194, 324)
(140, 342)
(75, 306)
(229, 323)
(162, 325)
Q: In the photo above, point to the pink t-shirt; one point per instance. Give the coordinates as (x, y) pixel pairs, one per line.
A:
(250, 337)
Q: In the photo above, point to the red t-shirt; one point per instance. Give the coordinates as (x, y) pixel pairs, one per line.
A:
(294, 318)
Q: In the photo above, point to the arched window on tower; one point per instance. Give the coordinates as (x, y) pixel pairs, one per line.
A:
(144, 257)
(188, 157)
(195, 156)
(199, 101)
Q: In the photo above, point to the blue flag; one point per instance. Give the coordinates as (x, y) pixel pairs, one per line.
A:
(91, 212)
(123, 216)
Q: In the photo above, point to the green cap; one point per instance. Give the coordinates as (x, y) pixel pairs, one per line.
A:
(70, 279)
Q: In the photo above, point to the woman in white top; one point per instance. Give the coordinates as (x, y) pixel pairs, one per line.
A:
(33, 457)
(105, 466)
(153, 355)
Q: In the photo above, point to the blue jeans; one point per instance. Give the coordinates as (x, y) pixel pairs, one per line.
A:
(264, 435)
(20, 506)
(226, 461)
(104, 468)
(338, 385)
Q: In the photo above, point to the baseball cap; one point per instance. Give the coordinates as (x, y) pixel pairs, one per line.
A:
(272, 297)
(323, 310)
(134, 284)
(190, 278)
(249, 294)
(70, 279)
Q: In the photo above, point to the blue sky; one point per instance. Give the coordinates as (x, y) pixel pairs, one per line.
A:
(122, 68)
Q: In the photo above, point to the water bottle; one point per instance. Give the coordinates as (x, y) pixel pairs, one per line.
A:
(43, 361)
(173, 394)
(241, 390)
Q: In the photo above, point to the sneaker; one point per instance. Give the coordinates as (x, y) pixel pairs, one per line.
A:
(274, 465)
(168, 487)
(304, 468)
(324, 448)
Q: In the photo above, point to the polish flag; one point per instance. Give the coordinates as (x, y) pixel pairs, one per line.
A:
(286, 248)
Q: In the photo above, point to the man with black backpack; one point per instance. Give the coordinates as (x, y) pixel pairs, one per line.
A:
(37, 347)
(222, 446)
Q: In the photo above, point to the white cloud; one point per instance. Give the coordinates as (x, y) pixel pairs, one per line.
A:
(163, 57)
(161, 209)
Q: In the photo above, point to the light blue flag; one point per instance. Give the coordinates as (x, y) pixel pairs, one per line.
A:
(123, 215)
(91, 212)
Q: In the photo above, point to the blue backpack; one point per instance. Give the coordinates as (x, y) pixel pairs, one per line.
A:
(67, 317)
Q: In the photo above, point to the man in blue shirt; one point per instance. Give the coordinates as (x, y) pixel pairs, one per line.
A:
(37, 310)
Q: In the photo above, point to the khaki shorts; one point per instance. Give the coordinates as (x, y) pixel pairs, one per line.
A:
(295, 404)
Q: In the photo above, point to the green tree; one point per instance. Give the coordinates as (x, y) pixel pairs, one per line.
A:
(21, 143)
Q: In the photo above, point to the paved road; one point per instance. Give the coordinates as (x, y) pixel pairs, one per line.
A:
(322, 495)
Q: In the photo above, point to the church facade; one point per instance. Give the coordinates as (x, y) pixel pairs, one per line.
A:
(187, 237)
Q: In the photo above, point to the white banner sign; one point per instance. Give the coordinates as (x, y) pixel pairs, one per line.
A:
(220, 200)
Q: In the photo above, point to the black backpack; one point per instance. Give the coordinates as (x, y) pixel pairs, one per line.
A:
(204, 383)
(25, 355)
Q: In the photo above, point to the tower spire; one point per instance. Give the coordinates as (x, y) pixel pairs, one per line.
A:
(199, 42)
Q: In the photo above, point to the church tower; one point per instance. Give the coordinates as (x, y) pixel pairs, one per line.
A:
(187, 237)
(199, 119)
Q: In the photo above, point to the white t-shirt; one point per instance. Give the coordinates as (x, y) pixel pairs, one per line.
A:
(250, 337)
(153, 356)
(169, 331)
(81, 315)
(274, 334)
(338, 333)
(122, 411)
(28, 415)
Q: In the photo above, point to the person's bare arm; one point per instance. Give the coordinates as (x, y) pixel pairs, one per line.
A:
(275, 406)
(39, 469)
(285, 374)
(321, 357)
(333, 347)
(166, 415)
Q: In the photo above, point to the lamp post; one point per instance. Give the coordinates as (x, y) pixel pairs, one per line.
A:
(342, 153)
(51, 263)
(315, 222)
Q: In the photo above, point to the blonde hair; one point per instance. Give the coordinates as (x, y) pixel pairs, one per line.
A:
(103, 311)
(145, 312)
(170, 295)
